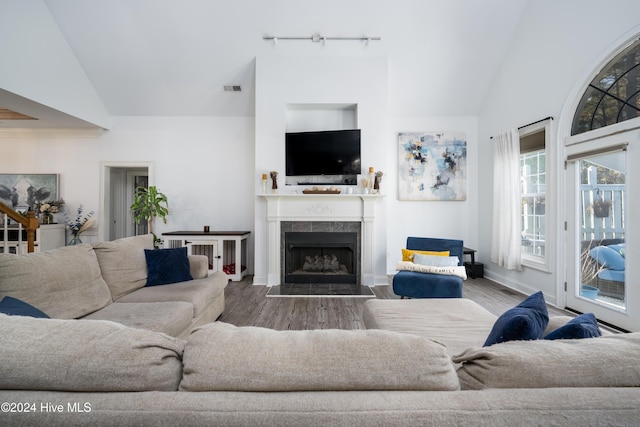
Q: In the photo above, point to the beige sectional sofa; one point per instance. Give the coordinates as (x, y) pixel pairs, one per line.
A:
(420, 363)
(106, 281)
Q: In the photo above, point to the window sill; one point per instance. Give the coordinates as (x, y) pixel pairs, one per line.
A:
(539, 264)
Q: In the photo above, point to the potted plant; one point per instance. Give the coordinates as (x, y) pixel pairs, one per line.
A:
(600, 206)
(149, 203)
(47, 209)
(78, 225)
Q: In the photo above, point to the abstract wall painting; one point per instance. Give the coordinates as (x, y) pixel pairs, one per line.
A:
(432, 166)
(23, 191)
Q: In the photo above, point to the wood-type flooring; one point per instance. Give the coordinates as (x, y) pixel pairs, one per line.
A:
(248, 305)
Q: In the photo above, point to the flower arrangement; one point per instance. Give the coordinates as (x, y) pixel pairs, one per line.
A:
(80, 224)
(50, 207)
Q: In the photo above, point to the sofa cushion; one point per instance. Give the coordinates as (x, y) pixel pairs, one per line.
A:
(455, 270)
(199, 293)
(407, 254)
(199, 266)
(123, 263)
(171, 318)
(618, 247)
(85, 355)
(166, 266)
(583, 326)
(608, 361)
(608, 257)
(223, 357)
(436, 260)
(612, 275)
(65, 283)
(555, 322)
(526, 321)
(457, 323)
(15, 307)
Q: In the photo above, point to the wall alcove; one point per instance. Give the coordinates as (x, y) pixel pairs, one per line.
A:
(319, 117)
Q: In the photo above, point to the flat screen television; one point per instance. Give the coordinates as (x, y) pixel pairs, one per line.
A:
(334, 152)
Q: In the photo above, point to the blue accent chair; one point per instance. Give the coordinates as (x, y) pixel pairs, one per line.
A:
(413, 284)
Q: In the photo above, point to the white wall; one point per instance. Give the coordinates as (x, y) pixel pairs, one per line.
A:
(203, 165)
(555, 45)
(38, 64)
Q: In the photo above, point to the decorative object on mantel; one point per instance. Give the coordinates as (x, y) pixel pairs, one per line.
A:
(366, 185)
(432, 166)
(321, 190)
(372, 178)
(274, 178)
(376, 181)
(47, 209)
(264, 183)
(78, 225)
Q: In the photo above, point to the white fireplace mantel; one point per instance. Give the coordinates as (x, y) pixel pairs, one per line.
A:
(321, 207)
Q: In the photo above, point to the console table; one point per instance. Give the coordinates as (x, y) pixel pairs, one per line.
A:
(226, 250)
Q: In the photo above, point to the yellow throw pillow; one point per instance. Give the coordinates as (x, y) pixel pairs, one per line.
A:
(407, 254)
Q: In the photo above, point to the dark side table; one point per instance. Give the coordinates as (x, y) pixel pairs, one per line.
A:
(473, 269)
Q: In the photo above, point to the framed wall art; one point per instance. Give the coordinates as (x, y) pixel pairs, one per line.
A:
(22, 191)
(432, 166)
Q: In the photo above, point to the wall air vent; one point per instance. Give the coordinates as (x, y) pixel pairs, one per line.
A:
(232, 88)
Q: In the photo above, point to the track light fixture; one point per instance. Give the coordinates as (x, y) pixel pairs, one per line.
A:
(317, 38)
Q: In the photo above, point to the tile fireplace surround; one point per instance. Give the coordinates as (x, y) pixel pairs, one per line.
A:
(322, 208)
(345, 232)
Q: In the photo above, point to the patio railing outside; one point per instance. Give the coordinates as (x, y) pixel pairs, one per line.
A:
(602, 212)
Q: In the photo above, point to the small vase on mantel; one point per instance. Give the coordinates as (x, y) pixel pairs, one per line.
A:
(75, 240)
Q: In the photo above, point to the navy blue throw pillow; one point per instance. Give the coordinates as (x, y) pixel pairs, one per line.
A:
(167, 266)
(526, 321)
(583, 326)
(15, 307)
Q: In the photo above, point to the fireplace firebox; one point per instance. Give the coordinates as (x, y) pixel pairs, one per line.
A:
(320, 257)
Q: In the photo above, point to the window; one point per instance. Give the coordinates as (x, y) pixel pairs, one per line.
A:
(613, 96)
(533, 183)
(533, 193)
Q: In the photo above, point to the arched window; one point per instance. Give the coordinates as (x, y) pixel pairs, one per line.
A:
(613, 96)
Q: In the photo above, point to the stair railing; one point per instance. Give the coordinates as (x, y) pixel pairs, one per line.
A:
(28, 224)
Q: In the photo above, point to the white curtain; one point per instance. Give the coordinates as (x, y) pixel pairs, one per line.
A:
(506, 239)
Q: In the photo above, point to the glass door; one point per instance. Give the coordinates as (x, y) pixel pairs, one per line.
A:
(596, 234)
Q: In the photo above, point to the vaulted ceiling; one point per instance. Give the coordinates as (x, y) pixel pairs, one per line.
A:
(173, 58)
